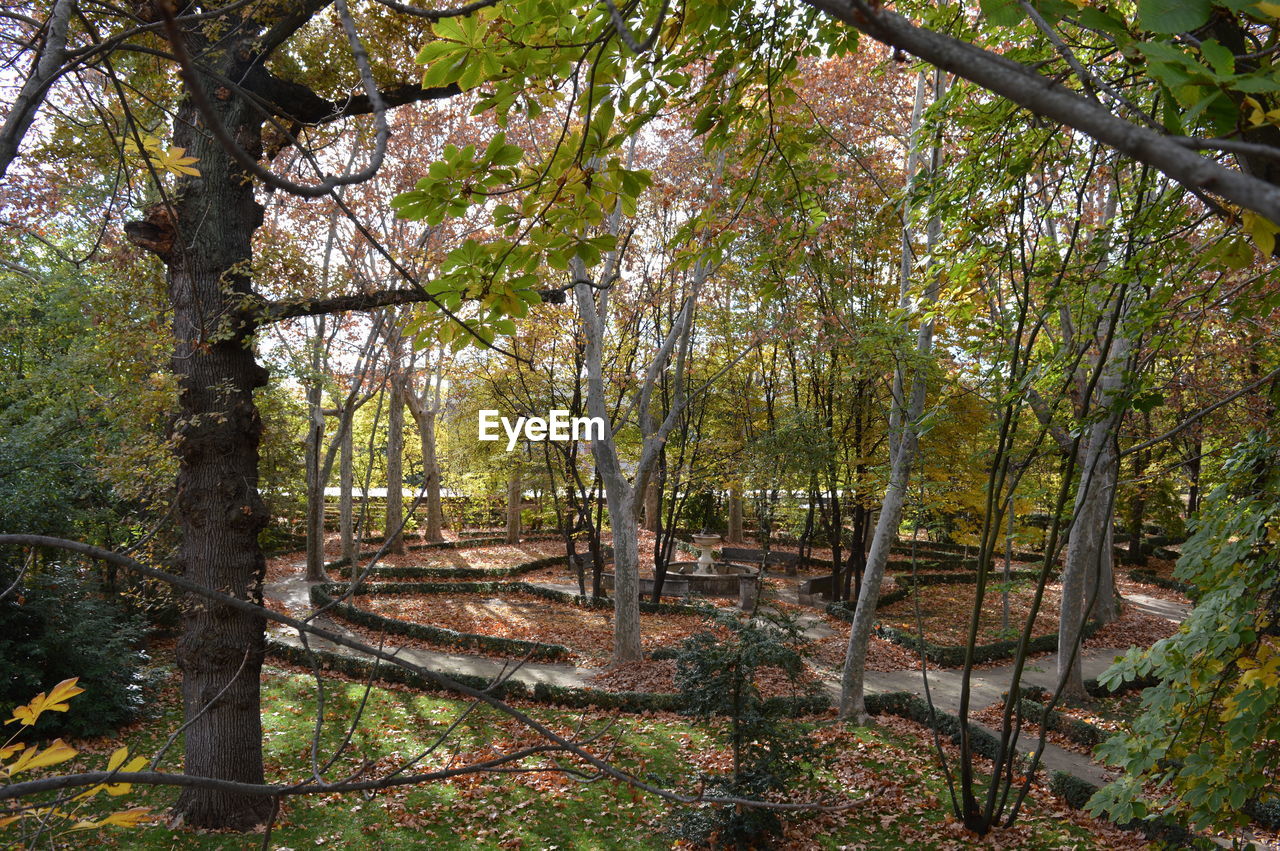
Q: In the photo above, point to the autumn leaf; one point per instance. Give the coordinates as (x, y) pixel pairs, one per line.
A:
(57, 752)
(55, 702)
(127, 818)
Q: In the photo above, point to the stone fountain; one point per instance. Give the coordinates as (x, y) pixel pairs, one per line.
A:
(706, 542)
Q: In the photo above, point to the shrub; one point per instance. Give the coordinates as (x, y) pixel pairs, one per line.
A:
(771, 752)
(54, 628)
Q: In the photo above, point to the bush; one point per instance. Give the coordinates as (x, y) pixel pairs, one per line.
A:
(770, 751)
(55, 628)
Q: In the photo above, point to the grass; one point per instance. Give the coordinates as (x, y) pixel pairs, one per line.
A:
(907, 808)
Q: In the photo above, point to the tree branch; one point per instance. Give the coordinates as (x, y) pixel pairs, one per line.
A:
(1044, 97)
(276, 311)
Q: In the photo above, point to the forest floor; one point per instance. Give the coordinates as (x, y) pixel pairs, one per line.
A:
(1150, 614)
(886, 788)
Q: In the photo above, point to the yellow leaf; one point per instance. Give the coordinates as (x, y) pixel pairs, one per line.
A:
(118, 756)
(1263, 231)
(57, 752)
(55, 702)
(136, 764)
(9, 750)
(1271, 10)
(127, 818)
(8, 820)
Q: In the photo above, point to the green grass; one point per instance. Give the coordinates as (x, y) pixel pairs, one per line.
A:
(534, 811)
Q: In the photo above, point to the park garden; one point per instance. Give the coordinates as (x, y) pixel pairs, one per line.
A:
(533, 424)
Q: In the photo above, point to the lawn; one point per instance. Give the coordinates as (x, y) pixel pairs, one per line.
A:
(889, 765)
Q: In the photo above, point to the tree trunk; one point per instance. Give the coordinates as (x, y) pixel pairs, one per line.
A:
(852, 704)
(515, 497)
(424, 415)
(346, 482)
(1087, 574)
(652, 506)
(315, 439)
(393, 531)
(205, 239)
(434, 530)
(735, 513)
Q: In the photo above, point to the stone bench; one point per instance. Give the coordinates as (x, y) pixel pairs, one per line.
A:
(814, 591)
(755, 558)
(671, 586)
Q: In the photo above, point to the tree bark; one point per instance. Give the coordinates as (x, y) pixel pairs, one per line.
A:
(346, 483)
(652, 506)
(395, 463)
(205, 238)
(735, 513)
(515, 497)
(1087, 574)
(315, 438)
(424, 415)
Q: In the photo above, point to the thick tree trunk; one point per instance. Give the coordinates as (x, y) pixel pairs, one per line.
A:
(424, 415)
(1087, 574)
(205, 240)
(434, 529)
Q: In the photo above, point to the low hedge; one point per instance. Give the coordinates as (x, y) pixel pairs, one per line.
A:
(907, 705)
(1146, 577)
(517, 689)
(844, 611)
(452, 572)
(1076, 791)
(499, 588)
(952, 656)
(438, 634)
(1081, 732)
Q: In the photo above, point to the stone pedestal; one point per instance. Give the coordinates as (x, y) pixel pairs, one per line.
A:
(705, 543)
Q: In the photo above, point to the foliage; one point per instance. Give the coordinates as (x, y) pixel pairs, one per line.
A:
(1208, 738)
(19, 757)
(771, 753)
(54, 626)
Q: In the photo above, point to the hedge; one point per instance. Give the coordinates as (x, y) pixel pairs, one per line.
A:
(1080, 732)
(517, 689)
(843, 611)
(907, 705)
(500, 588)
(1146, 577)
(1074, 790)
(454, 572)
(952, 656)
(439, 634)
(464, 543)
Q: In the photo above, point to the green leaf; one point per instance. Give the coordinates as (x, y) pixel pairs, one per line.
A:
(1096, 19)
(1224, 64)
(1173, 16)
(1002, 13)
